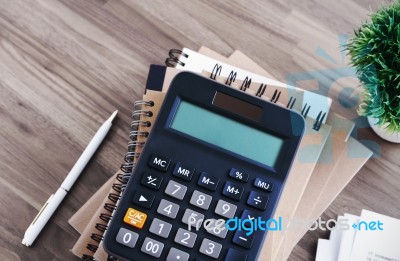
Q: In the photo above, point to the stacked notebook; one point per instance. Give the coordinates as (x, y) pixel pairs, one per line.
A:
(370, 236)
(322, 168)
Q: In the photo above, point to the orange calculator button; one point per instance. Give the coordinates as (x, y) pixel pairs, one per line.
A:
(135, 218)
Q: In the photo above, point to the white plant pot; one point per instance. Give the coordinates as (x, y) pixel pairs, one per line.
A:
(382, 132)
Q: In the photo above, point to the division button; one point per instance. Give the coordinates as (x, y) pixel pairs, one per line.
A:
(257, 200)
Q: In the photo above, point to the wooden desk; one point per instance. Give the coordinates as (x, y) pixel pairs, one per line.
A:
(66, 65)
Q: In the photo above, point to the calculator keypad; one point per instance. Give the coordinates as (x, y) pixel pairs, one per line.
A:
(210, 248)
(185, 238)
(160, 228)
(178, 189)
(233, 191)
(168, 208)
(200, 200)
(152, 180)
(225, 209)
(152, 247)
(127, 237)
(194, 218)
(177, 255)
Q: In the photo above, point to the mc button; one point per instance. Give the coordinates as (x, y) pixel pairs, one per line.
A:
(159, 162)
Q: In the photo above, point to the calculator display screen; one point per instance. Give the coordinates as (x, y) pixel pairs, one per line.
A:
(227, 133)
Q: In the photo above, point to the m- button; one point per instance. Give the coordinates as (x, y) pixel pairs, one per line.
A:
(159, 162)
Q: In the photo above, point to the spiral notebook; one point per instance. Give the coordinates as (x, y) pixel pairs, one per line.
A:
(157, 79)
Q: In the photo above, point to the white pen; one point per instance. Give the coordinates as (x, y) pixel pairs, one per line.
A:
(54, 201)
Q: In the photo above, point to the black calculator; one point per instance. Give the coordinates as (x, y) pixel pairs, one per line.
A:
(215, 156)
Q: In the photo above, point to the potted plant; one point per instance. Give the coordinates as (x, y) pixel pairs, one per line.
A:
(375, 53)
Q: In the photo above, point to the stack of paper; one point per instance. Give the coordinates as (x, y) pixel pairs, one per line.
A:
(369, 237)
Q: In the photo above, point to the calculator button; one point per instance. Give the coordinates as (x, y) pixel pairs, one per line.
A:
(152, 247)
(208, 181)
(151, 180)
(262, 184)
(144, 199)
(240, 238)
(127, 237)
(159, 162)
(135, 218)
(160, 228)
(185, 238)
(176, 190)
(235, 255)
(233, 191)
(225, 209)
(200, 200)
(210, 248)
(195, 219)
(217, 228)
(248, 215)
(257, 200)
(183, 172)
(177, 255)
(168, 208)
(239, 175)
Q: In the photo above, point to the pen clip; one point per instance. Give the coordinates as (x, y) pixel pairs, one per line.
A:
(42, 209)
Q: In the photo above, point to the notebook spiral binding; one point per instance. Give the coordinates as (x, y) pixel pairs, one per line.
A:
(126, 168)
(216, 71)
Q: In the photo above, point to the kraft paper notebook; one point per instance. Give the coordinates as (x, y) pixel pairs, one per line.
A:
(97, 194)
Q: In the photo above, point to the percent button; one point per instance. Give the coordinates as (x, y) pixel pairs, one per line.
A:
(239, 175)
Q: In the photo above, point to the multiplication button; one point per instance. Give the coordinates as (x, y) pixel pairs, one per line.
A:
(233, 191)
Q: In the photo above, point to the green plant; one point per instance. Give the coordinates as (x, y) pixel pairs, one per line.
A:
(375, 53)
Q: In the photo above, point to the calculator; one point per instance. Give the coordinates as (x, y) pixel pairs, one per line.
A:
(215, 155)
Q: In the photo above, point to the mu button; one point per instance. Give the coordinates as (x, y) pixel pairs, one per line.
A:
(135, 218)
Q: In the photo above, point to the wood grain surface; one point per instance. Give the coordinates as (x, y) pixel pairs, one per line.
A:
(65, 65)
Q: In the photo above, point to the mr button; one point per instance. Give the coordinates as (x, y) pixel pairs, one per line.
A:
(183, 172)
(159, 162)
(135, 218)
